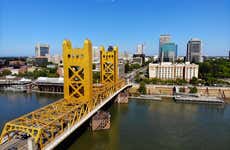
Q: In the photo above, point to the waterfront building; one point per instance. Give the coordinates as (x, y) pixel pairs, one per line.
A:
(42, 50)
(194, 51)
(168, 52)
(46, 84)
(172, 71)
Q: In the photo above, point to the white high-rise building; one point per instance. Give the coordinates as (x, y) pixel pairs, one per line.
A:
(96, 54)
(140, 48)
(42, 50)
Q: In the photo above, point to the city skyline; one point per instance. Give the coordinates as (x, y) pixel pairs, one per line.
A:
(25, 23)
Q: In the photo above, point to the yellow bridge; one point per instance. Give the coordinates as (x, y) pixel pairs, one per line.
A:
(50, 125)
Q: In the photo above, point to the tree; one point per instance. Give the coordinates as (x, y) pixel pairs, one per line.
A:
(6, 72)
(142, 88)
(96, 77)
(194, 81)
(137, 78)
(180, 81)
(193, 90)
(126, 68)
(94, 66)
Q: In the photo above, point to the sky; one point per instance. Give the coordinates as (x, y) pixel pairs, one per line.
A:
(124, 23)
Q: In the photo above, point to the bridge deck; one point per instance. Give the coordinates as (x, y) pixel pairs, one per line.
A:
(68, 131)
(48, 125)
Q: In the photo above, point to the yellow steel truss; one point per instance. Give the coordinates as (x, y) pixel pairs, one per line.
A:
(80, 97)
(78, 72)
(109, 65)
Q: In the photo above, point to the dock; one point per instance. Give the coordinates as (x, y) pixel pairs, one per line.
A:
(200, 99)
(147, 97)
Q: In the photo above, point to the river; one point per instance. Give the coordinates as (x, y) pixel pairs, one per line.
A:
(140, 125)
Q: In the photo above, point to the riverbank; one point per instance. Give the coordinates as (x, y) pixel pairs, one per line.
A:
(167, 91)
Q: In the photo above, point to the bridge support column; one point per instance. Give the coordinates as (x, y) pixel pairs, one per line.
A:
(31, 144)
(123, 97)
(100, 121)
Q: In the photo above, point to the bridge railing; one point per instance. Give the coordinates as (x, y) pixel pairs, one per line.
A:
(48, 122)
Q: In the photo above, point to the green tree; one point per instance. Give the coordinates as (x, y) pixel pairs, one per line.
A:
(6, 72)
(142, 88)
(96, 77)
(193, 90)
(126, 68)
(94, 66)
(137, 78)
(194, 81)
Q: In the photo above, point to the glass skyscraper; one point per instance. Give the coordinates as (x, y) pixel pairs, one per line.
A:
(194, 50)
(168, 52)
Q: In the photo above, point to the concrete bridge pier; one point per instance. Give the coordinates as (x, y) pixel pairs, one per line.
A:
(100, 121)
(123, 97)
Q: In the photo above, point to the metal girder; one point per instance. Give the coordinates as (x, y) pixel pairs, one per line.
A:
(80, 96)
(78, 72)
(46, 123)
(109, 65)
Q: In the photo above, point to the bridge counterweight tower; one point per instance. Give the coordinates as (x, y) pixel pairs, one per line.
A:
(78, 73)
(109, 65)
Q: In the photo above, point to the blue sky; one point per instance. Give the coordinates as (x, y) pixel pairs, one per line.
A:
(124, 23)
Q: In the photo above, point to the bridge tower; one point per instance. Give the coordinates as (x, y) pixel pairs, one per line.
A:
(109, 65)
(78, 83)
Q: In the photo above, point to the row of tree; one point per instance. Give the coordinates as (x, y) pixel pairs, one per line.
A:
(218, 68)
(41, 72)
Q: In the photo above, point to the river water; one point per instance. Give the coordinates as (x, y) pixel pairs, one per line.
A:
(140, 125)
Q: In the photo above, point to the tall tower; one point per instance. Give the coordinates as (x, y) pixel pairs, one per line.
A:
(164, 39)
(42, 50)
(194, 50)
(78, 81)
(140, 48)
(168, 52)
(109, 65)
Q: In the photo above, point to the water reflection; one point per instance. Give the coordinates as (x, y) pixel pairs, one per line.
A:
(15, 104)
(162, 125)
(141, 124)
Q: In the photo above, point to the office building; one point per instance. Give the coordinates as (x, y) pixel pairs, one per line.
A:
(170, 71)
(121, 67)
(140, 49)
(138, 59)
(194, 51)
(168, 52)
(96, 54)
(164, 38)
(42, 50)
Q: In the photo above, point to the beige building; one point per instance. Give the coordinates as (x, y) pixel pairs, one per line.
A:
(173, 71)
